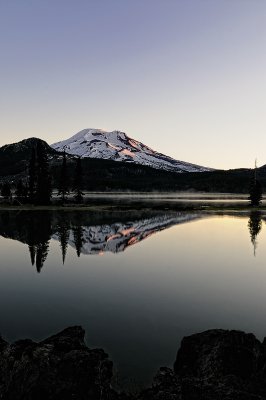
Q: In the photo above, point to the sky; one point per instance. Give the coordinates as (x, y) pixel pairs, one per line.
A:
(185, 77)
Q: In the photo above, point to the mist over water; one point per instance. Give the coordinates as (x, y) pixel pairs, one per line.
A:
(137, 283)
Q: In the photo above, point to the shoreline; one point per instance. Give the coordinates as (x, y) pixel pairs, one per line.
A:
(142, 206)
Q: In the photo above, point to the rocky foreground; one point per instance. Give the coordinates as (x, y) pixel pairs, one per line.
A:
(213, 365)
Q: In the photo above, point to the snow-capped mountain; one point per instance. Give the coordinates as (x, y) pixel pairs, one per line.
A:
(117, 146)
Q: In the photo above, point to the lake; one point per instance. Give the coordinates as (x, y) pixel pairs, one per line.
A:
(136, 281)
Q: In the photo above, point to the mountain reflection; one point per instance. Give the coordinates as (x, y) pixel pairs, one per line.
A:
(116, 237)
(97, 233)
(88, 234)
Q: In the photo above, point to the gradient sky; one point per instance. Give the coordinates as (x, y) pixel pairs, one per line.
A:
(185, 77)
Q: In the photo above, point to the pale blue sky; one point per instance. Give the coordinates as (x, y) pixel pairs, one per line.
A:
(186, 77)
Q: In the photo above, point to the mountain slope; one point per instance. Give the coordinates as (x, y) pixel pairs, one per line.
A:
(117, 146)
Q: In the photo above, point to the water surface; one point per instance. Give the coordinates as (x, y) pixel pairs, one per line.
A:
(137, 283)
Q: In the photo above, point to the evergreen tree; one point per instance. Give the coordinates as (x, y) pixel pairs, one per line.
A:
(25, 191)
(63, 183)
(21, 191)
(6, 192)
(32, 176)
(255, 193)
(78, 181)
(43, 187)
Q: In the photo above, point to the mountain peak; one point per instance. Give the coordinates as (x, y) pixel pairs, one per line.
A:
(117, 146)
(89, 133)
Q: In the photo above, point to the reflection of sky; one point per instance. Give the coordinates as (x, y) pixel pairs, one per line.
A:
(169, 73)
(183, 280)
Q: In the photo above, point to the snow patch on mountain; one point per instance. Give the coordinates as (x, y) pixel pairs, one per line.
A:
(117, 146)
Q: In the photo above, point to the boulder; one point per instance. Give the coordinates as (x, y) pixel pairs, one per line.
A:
(214, 365)
(60, 367)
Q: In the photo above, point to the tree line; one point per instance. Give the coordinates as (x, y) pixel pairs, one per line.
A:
(37, 187)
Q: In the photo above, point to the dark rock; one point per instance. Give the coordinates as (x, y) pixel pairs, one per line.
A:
(61, 367)
(214, 365)
(217, 353)
(166, 386)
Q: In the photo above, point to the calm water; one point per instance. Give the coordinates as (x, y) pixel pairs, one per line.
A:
(172, 198)
(136, 298)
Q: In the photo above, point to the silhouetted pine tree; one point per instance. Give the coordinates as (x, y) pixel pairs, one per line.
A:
(32, 176)
(25, 192)
(44, 187)
(78, 181)
(6, 192)
(255, 193)
(21, 191)
(63, 190)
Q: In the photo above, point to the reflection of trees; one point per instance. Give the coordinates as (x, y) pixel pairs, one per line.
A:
(63, 235)
(254, 226)
(39, 235)
(32, 250)
(78, 233)
(41, 254)
(5, 218)
(32, 228)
